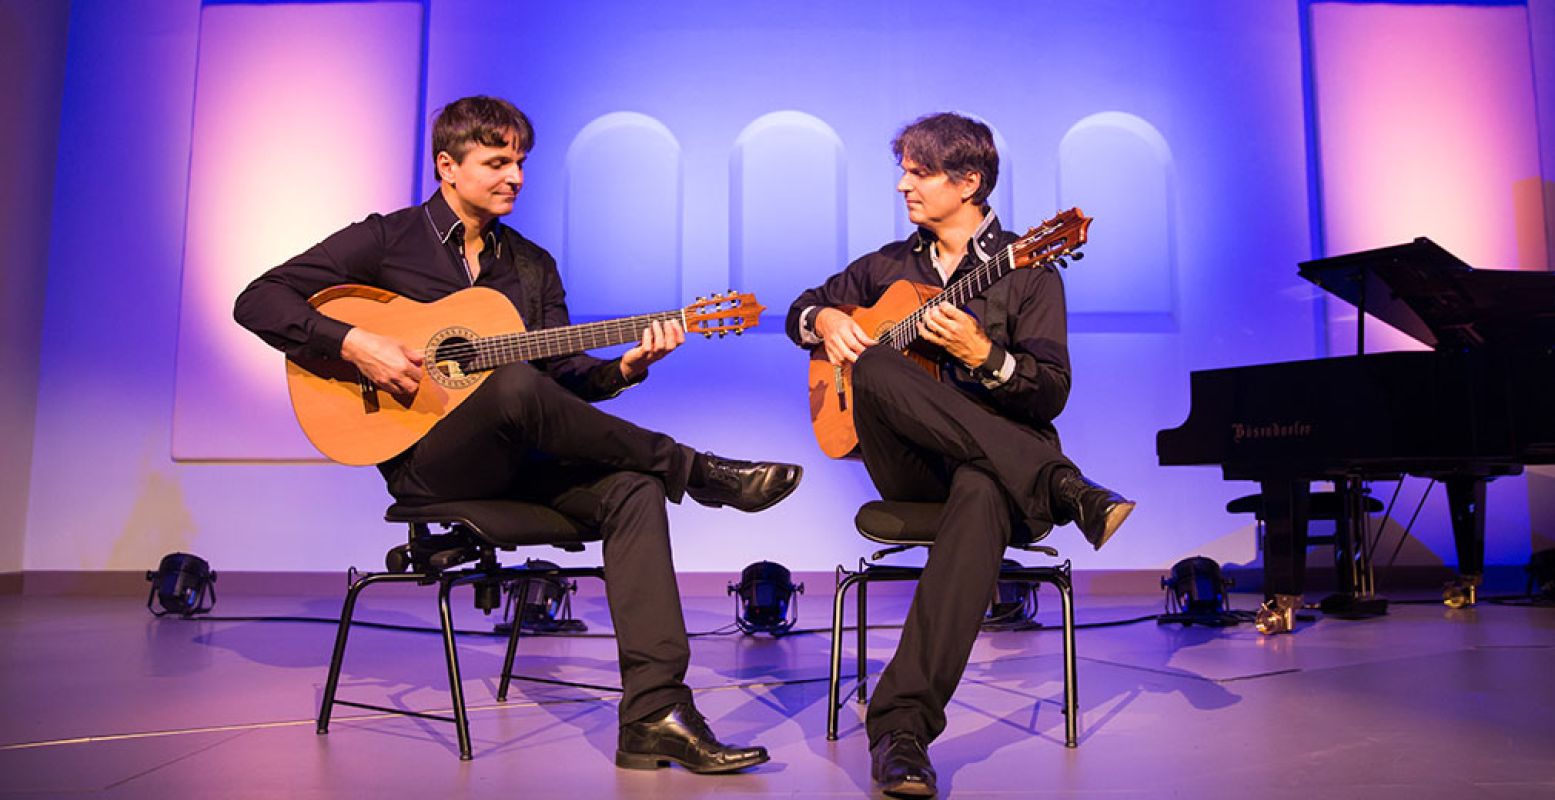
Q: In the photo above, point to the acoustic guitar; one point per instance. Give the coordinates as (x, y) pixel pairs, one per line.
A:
(463, 337)
(893, 321)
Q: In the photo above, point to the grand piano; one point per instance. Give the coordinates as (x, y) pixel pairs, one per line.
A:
(1480, 404)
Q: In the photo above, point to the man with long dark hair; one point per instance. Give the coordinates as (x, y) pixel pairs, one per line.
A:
(979, 438)
(529, 431)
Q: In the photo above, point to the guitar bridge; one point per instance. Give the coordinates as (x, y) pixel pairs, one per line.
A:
(842, 393)
(369, 394)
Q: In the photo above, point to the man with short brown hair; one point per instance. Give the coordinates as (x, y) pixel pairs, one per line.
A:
(529, 431)
(979, 439)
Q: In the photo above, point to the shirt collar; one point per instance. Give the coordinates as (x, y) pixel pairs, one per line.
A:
(447, 224)
(985, 237)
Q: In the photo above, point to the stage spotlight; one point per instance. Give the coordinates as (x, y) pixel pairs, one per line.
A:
(1196, 594)
(1541, 577)
(765, 601)
(180, 585)
(1014, 605)
(540, 603)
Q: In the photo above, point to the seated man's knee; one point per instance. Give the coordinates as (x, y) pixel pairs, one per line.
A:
(518, 388)
(975, 491)
(636, 490)
(872, 365)
(516, 380)
(975, 484)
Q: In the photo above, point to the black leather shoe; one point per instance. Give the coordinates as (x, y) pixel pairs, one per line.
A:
(680, 734)
(1096, 510)
(900, 766)
(745, 485)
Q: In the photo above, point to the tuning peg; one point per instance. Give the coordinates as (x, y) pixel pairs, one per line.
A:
(1078, 255)
(707, 334)
(739, 331)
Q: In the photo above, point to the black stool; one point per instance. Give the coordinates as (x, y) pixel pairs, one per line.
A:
(478, 529)
(901, 526)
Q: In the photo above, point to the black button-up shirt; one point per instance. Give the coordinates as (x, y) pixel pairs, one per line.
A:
(417, 252)
(1024, 314)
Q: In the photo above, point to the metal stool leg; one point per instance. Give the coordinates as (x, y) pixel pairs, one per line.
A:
(863, 638)
(1071, 676)
(834, 688)
(347, 611)
(507, 662)
(455, 686)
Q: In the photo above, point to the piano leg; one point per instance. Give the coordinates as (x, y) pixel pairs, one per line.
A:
(1286, 509)
(1350, 538)
(1357, 596)
(1466, 500)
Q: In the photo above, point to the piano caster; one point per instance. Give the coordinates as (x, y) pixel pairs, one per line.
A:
(1278, 614)
(1463, 592)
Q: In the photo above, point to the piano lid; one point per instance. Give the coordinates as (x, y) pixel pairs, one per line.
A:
(1430, 294)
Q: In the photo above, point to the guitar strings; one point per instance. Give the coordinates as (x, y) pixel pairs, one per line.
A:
(904, 333)
(547, 338)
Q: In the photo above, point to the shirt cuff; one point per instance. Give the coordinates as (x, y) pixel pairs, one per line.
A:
(807, 326)
(617, 383)
(996, 369)
(328, 336)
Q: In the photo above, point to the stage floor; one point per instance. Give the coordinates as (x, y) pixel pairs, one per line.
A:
(102, 700)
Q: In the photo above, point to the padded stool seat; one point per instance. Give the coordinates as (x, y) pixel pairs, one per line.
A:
(899, 523)
(1322, 505)
(504, 524)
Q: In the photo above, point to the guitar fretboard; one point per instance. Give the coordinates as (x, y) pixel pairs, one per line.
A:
(490, 352)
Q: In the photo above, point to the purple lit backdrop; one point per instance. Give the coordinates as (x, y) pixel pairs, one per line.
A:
(688, 149)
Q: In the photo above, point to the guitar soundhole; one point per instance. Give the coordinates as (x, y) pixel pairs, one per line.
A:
(454, 358)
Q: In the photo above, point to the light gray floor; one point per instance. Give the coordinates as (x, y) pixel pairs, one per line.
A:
(102, 700)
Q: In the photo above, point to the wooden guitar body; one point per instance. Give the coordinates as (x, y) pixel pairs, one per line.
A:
(355, 423)
(831, 388)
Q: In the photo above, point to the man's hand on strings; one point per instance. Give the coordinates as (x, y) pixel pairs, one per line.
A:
(386, 362)
(959, 333)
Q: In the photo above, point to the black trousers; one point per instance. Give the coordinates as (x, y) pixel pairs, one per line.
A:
(925, 441)
(523, 436)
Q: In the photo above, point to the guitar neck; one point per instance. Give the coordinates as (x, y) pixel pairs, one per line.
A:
(507, 348)
(903, 334)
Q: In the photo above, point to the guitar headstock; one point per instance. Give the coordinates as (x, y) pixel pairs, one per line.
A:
(722, 314)
(1055, 240)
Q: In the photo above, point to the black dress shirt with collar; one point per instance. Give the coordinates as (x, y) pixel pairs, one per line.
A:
(1024, 315)
(418, 252)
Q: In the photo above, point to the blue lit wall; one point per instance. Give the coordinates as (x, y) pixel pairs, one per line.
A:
(684, 149)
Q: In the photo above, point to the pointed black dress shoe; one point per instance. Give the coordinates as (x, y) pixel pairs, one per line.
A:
(680, 734)
(1096, 510)
(900, 766)
(745, 485)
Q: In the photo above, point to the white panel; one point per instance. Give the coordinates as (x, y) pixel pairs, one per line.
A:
(622, 249)
(1433, 135)
(304, 121)
(1118, 169)
(787, 226)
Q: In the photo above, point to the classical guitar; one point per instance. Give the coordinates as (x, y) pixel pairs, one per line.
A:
(463, 337)
(893, 321)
